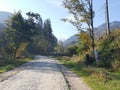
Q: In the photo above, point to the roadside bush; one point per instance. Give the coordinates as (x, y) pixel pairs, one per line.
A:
(115, 65)
(72, 50)
(110, 50)
(66, 58)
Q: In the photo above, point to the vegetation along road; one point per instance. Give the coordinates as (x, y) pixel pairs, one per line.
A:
(43, 73)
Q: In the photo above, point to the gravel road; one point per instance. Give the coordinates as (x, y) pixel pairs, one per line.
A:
(40, 74)
(43, 73)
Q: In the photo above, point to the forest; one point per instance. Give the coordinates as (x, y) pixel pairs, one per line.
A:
(22, 37)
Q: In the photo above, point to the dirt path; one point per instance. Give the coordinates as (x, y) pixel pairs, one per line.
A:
(43, 73)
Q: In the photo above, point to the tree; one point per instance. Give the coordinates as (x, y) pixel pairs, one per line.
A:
(59, 48)
(44, 41)
(27, 35)
(35, 21)
(18, 33)
(72, 50)
(83, 15)
(84, 43)
(52, 41)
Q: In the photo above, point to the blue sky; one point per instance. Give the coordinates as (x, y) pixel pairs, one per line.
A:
(53, 9)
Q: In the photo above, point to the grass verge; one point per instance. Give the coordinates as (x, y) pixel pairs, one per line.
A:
(96, 78)
(7, 64)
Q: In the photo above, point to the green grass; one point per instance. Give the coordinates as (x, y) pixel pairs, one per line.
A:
(96, 78)
(6, 68)
(8, 64)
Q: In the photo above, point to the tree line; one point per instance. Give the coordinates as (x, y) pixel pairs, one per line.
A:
(31, 35)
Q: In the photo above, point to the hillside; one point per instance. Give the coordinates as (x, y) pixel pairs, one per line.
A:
(100, 30)
(2, 26)
(71, 41)
(3, 16)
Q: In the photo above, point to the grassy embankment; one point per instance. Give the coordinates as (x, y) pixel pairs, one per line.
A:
(7, 64)
(106, 76)
(97, 78)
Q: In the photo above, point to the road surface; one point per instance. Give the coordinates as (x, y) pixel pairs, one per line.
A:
(43, 73)
(40, 74)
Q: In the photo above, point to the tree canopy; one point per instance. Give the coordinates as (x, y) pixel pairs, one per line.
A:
(27, 35)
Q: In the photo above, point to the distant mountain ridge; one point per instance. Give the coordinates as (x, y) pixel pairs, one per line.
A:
(71, 41)
(98, 32)
(3, 17)
(2, 26)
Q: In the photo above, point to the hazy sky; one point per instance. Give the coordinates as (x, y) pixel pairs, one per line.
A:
(53, 9)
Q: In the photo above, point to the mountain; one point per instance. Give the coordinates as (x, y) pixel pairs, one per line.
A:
(100, 30)
(61, 39)
(71, 41)
(4, 16)
(2, 26)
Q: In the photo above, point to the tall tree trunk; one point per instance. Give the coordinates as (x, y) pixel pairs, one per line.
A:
(14, 54)
(92, 28)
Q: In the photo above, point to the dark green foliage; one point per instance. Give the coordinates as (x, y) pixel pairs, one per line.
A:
(18, 31)
(27, 35)
(44, 41)
(110, 50)
(72, 50)
(51, 39)
(7, 64)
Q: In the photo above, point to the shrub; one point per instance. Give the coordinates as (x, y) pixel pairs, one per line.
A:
(72, 50)
(109, 49)
(115, 65)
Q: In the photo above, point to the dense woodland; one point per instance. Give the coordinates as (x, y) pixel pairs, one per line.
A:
(23, 36)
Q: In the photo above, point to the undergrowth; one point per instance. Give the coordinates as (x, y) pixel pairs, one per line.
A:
(7, 64)
(102, 75)
(97, 78)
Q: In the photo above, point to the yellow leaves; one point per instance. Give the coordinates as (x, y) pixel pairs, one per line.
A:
(74, 0)
(85, 42)
(82, 20)
(21, 49)
(85, 38)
